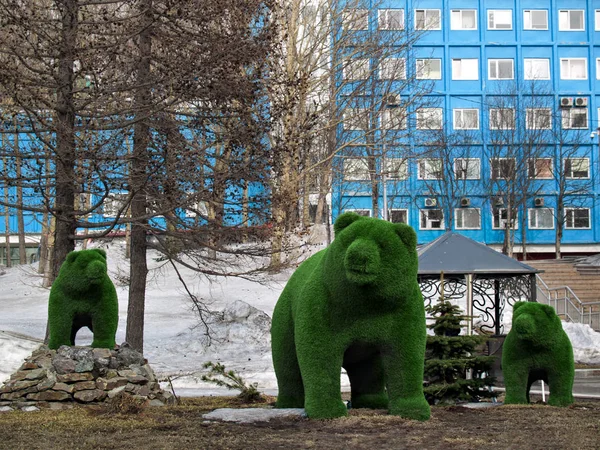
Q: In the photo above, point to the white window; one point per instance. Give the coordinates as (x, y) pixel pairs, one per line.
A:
(429, 69)
(503, 168)
(114, 204)
(395, 168)
(500, 19)
(356, 169)
(355, 19)
(393, 119)
(597, 68)
(430, 169)
(538, 118)
(429, 119)
(577, 218)
(541, 218)
(466, 119)
(398, 215)
(463, 19)
(465, 69)
(574, 118)
(535, 19)
(501, 69)
(467, 168)
(356, 69)
(467, 218)
(573, 69)
(500, 219)
(502, 119)
(597, 20)
(391, 19)
(428, 19)
(571, 20)
(355, 119)
(197, 209)
(577, 167)
(392, 69)
(431, 219)
(360, 212)
(540, 168)
(537, 69)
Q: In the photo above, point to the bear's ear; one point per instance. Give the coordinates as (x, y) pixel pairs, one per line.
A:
(517, 305)
(407, 235)
(344, 220)
(549, 310)
(99, 250)
(71, 257)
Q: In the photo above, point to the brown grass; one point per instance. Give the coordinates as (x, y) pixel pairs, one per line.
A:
(182, 426)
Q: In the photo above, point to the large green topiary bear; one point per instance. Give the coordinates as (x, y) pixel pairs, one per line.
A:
(537, 348)
(83, 295)
(357, 305)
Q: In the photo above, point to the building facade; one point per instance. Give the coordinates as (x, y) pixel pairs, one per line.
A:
(484, 116)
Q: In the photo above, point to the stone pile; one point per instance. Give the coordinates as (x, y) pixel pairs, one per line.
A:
(59, 379)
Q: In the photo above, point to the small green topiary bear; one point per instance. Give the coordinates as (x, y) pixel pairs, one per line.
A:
(357, 305)
(537, 348)
(83, 295)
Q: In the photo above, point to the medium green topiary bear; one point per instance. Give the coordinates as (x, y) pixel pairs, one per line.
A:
(537, 348)
(357, 305)
(83, 295)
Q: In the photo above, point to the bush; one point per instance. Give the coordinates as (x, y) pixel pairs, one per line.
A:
(249, 393)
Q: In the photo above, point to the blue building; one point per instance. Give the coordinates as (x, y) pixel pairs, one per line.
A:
(484, 116)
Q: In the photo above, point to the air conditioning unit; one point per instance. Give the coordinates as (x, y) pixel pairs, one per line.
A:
(566, 101)
(498, 201)
(581, 101)
(391, 99)
(465, 201)
(429, 202)
(538, 201)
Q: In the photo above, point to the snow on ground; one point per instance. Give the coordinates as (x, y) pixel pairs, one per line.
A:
(176, 344)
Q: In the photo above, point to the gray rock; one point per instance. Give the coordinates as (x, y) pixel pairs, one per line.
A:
(5, 409)
(128, 356)
(110, 384)
(30, 409)
(90, 396)
(116, 391)
(74, 377)
(49, 396)
(63, 364)
(84, 385)
(68, 388)
(156, 402)
(249, 415)
(36, 374)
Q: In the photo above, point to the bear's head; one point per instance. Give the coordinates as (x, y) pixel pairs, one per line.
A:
(536, 324)
(372, 256)
(83, 269)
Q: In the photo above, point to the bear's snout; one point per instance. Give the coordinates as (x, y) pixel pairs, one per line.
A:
(96, 271)
(524, 326)
(362, 262)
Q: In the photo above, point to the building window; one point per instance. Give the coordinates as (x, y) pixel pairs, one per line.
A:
(535, 19)
(115, 204)
(355, 19)
(360, 212)
(393, 119)
(465, 69)
(392, 69)
(355, 119)
(577, 218)
(541, 218)
(398, 215)
(538, 118)
(466, 119)
(502, 119)
(503, 168)
(395, 168)
(429, 119)
(597, 20)
(500, 219)
(537, 69)
(197, 209)
(597, 68)
(571, 20)
(573, 69)
(356, 169)
(577, 168)
(431, 219)
(430, 169)
(540, 168)
(467, 218)
(428, 19)
(463, 19)
(356, 69)
(391, 19)
(467, 168)
(501, 69)
(574, 118)
(499, 19)
(429, 69)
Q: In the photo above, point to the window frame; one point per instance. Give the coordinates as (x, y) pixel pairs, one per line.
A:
(597, 20)
(466, 177)
(350, 15)
(500, 219)
(530, 22)
(538, 210)
(570, 176)
(569, 11)
(419, 70)
(460, 27)
(387, 119)
(566, 117)
(357, 211)
(495, 111)
(389, 214)
(354, 66)
(384, 12)
(355, 159)
(534, 120)
(423, 170)
(466, 78)
(423, 114)
(496, 61)
(115, 198)
(425, 10)
(398, 63)
(570, 77)
(498, 175)
(566, 219)
(495, 27)
(533, 161)
(525, 74)
(461, 210)
(425, 212)
(462, 111)
(403, 168)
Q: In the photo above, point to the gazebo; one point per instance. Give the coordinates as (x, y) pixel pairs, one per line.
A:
(487, 279)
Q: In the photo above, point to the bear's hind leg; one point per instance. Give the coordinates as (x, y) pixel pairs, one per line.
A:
(367, 383)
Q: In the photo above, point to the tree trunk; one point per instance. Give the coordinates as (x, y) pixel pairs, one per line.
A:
(560, 211)
(306, 202)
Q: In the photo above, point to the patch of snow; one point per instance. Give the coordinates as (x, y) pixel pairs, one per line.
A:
(585, 341)
(250, 415)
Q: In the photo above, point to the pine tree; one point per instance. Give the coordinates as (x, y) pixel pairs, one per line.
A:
(450, 357)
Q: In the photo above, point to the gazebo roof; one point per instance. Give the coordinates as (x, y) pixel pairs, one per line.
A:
(455, 255)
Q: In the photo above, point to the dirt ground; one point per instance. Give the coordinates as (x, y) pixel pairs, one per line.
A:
(182, 427)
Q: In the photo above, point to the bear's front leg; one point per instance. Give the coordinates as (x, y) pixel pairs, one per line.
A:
(61, 323)
(516, 382)
(560, 383)
(104, 330)
(320, 363)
